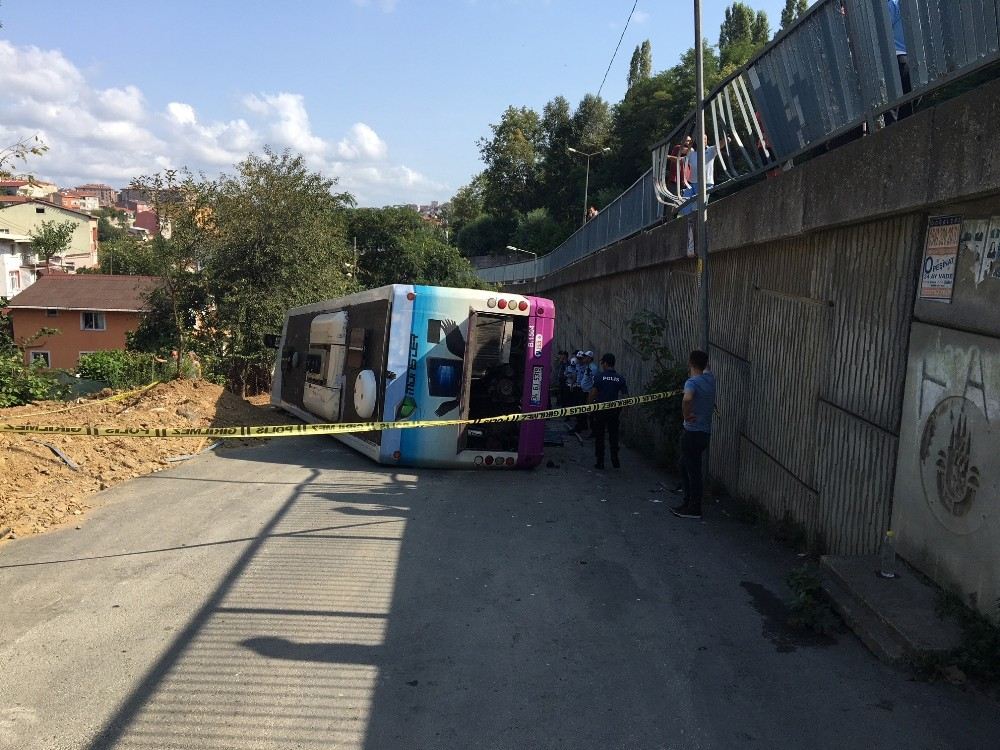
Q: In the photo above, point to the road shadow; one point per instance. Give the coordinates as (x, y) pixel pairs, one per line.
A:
(380, 609)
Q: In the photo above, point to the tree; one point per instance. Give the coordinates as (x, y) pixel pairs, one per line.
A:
(538, 232)
(466, 205)
(110, 224)
(793, 11)
(51, 238)
(742, 33)
(512, 157)
(487, 235)
(275, 238)
(19, 151)
(127, 255)
(397, 245)
(641, 66)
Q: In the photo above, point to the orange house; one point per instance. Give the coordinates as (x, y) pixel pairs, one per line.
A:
(92, 312)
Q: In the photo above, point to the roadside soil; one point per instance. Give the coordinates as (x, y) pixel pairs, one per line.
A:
(39, 491)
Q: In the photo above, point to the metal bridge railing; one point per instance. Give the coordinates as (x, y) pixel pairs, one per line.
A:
(833, 72)
(629, 213)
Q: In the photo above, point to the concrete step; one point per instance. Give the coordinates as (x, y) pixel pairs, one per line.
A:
(893, 617)
(875, 634)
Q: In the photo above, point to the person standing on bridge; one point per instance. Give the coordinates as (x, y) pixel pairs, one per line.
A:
(608, 386)
(697, 408)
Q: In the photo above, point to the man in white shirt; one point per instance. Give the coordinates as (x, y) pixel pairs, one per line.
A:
(711, 154)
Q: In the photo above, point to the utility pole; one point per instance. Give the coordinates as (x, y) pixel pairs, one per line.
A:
(586, 183)
(701, 234)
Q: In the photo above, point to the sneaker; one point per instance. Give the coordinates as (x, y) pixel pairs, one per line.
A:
(686, 511)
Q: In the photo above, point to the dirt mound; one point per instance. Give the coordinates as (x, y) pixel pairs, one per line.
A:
(39, 491)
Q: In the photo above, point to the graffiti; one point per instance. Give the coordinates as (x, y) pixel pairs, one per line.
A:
(957, 478)
(950, 461)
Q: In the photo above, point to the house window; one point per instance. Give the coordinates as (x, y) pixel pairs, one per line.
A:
(92, 321)
(41, 358)
(50, 313)
(15, 281)
(39, 210)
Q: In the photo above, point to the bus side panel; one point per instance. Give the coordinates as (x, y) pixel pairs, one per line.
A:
(537, 375)
(399, 365)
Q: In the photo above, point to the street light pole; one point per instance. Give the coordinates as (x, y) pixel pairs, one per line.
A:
(586, 182)
(534, 264)
(701, 235)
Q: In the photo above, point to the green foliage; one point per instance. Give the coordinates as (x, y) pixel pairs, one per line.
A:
(128, 255)
(21, 384)
(122, 370)
(7, 345)
(978, 655)
(537, 232)
(512, 158)
(793, 11)
(646, 334)
(641, 65)
(743, 32)
(274, 239)
(19, 151)
(466, 206)
(51, 238)
(487, 235)
(110, 225)
(808, 608)
(397, 245)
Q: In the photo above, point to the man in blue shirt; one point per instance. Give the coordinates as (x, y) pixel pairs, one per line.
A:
(608, 386)
(697, 408)
(586, 373)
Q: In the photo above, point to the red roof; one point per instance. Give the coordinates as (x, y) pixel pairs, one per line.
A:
(14, 199)
(89, 291)
(14, 183)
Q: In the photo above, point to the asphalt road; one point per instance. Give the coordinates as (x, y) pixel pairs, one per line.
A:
(295, 595)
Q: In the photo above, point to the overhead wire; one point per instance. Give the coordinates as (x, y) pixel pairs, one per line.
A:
(617, 47)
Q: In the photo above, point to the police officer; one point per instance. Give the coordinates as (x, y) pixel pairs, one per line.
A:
(586, 373)
(608, 386)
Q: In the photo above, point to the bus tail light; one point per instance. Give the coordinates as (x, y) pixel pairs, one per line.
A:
(478, 461)
(510, 461)
(522, 306)
(489, 460)
(491, 302)
(502, 304)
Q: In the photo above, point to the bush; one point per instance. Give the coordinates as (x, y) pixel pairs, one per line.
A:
(647, 331)
(21, 384)
(122, 370)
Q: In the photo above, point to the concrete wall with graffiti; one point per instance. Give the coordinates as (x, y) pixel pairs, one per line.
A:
(946, 509)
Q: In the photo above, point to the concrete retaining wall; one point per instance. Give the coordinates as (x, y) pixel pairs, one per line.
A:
(813, 279)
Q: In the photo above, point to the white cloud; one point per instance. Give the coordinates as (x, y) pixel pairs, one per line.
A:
(112, 135)
(640, 17)
(362, 143)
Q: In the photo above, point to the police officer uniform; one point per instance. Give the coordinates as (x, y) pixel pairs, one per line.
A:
(608, 386)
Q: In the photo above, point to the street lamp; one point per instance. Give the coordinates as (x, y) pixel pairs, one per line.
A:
(534, 265)
(586, 184)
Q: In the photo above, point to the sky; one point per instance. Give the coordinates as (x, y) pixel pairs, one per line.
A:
(387, 96)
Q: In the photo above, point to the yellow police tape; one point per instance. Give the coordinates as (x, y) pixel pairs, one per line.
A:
(111, 399)
(293, 430)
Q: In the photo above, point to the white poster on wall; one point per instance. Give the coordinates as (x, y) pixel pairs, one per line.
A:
(937, 274)
(989, 253)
